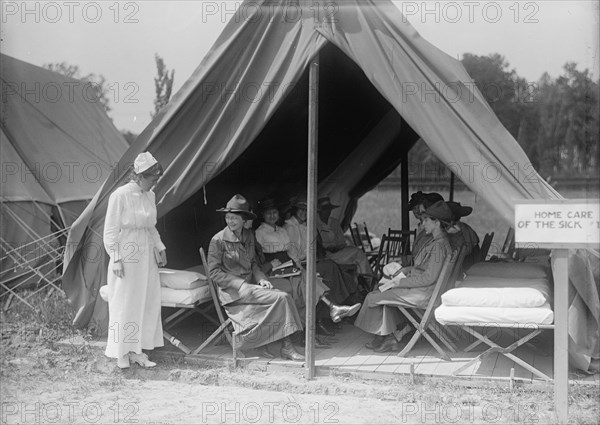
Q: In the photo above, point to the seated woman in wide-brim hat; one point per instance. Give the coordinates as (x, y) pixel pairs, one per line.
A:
(379, 314)
(260, 314)
(418, 203)
(276, 248)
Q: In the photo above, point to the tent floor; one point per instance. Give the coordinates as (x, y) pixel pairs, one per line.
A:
(348, 355)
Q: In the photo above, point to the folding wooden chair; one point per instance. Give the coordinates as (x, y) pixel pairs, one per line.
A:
(509, 243)
(422, 318)
(203, 306)
(485, 246)
(405, 236)
(356, 240)
(362, 239)
(389, 250)
(506, 252)
(224, 326)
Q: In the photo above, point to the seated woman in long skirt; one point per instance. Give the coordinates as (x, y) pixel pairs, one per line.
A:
(341, 280)
(276, 249)
(334, 241)
(379, 314)
(260, 313)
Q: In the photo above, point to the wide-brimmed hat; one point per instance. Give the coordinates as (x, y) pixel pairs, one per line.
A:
(143, 162)
(440, 211)
(238, 205)
(324, 203)
(458, 210)
(426, 199)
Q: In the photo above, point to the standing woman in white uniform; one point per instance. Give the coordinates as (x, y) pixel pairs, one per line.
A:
(136, 252)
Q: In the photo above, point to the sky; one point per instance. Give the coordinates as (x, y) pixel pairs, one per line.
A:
(120, 39)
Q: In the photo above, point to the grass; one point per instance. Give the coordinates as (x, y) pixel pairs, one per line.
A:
(31, 366)
(381, 210)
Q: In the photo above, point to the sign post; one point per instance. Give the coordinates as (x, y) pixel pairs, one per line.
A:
(560, 225)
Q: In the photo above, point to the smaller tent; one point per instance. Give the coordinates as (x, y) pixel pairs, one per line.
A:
(58, 146)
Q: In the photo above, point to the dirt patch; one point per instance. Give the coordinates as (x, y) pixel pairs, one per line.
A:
(80, 385)
(43, 382)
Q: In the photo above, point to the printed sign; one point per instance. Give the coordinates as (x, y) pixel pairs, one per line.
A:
(565, 223)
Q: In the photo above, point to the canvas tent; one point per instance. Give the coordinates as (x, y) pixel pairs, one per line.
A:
(239, 125)
(57, 146)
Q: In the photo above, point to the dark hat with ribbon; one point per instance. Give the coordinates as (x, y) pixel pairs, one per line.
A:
(268, 204)
(440, 211)
(425, 199)
(324, 203)
(458, 210)
(238, 205)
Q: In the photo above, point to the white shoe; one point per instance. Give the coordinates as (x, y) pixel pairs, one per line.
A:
(141, 359)
(123, 362)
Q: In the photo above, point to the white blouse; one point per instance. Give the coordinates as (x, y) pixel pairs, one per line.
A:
(272, 239)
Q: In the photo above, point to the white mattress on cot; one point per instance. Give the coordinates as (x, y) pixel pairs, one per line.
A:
(184, 296)
(496, 316)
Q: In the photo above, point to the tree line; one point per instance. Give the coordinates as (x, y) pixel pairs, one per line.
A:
(554, 120)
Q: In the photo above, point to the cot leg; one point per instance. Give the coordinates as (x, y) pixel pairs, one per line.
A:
(177, 343)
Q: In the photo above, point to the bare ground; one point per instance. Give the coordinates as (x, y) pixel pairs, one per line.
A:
(45, 383)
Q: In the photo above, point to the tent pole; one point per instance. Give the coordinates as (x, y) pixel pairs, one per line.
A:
(404, 189)
(451, 197)
(311, 191)
(561, 335)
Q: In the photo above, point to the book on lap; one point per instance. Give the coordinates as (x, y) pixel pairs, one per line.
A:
(286, 269)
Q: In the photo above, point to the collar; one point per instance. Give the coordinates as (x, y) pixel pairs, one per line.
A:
(293, 220)
(134, 186)
(441, 235)
(229, 236)
(269, 227)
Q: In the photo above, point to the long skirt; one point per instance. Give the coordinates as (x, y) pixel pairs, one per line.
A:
(379, 314)
(295, 286)
(134, 301)
(340, 286)
(266, 316)
(352, 255)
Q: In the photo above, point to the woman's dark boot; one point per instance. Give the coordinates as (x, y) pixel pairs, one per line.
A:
(288, 351)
